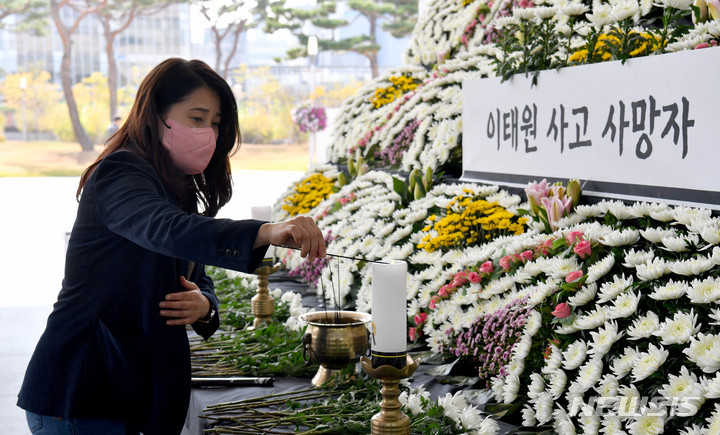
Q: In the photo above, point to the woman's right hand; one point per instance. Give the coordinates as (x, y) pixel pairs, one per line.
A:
(299, 232)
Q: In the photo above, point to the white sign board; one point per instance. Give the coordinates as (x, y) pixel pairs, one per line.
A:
(648, 129)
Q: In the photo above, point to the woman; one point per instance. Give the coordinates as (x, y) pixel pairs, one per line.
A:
(114, 357)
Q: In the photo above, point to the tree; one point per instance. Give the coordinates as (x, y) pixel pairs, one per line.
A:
(396, 17)
(115, 17)
(227, 19)
(82, 8)
(32, 15)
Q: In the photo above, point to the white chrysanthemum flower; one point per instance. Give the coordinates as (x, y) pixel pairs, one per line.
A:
(711, 235)
(621, 211)
(584, 295)
(704, 350)
(621, 238)
(633, 258)
(453, 404)
(603, 339)
(497, 385)
(575, 9)
(543, 408)
(652, 269)
(470, 418)
(649, 362)
(592, 319)
(622, 365)
(590, 211)
(537, 385)
(574, 355)
(679, 329)
(651, 421)
(589, 373)
(559, 268)
(608, 386)
(589, 421)
(558, 380)
(562, 423)
(545, 12)
(655, 235)
(624, 306)
(692, 266)
(528, 416)
(511, 388)
(644, 326)
(601, 16)
(411, 402)
(661, 212)
(684, 386)
(565, 329)
(523, 13)
(533, 323)
(503, 22)
(680, 243)
(711, 386)
(554, 359)
(670, 291)
(600, 268)
(704, 291)
(611, 289)
(685, 215)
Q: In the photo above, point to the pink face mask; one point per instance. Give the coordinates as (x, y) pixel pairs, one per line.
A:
(190, 148)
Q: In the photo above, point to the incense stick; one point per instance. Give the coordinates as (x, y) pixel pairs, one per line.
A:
(339, 256)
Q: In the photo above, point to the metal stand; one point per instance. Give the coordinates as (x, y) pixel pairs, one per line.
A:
(390, 419)
(262, 304)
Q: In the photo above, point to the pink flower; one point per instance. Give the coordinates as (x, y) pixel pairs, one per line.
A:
(583, 248)
(420, 318)
(527, 255)
(555, 208)
(433, 302)
(487, 267)
(460, 279)
(505, 262)
(537, 191)
(443, 292)
(574, 276)
(545, 247)
(574, 236)
(413, 334)
(562, 310)
(474, 277)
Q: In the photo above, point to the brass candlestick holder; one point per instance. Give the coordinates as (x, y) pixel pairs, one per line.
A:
(390, 419)
(262, 304)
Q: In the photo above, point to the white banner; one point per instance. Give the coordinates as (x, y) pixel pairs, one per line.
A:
(647, 129)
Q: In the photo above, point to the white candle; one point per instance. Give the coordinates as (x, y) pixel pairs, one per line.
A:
(389, 310)
(264, 213)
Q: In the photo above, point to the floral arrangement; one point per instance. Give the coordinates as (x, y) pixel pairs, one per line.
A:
(600, 318)
(628, 292)
(310, 119)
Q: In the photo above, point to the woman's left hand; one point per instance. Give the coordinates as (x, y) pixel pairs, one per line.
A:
(186, 307)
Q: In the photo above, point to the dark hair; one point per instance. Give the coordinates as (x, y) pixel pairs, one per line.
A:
(167, 84)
